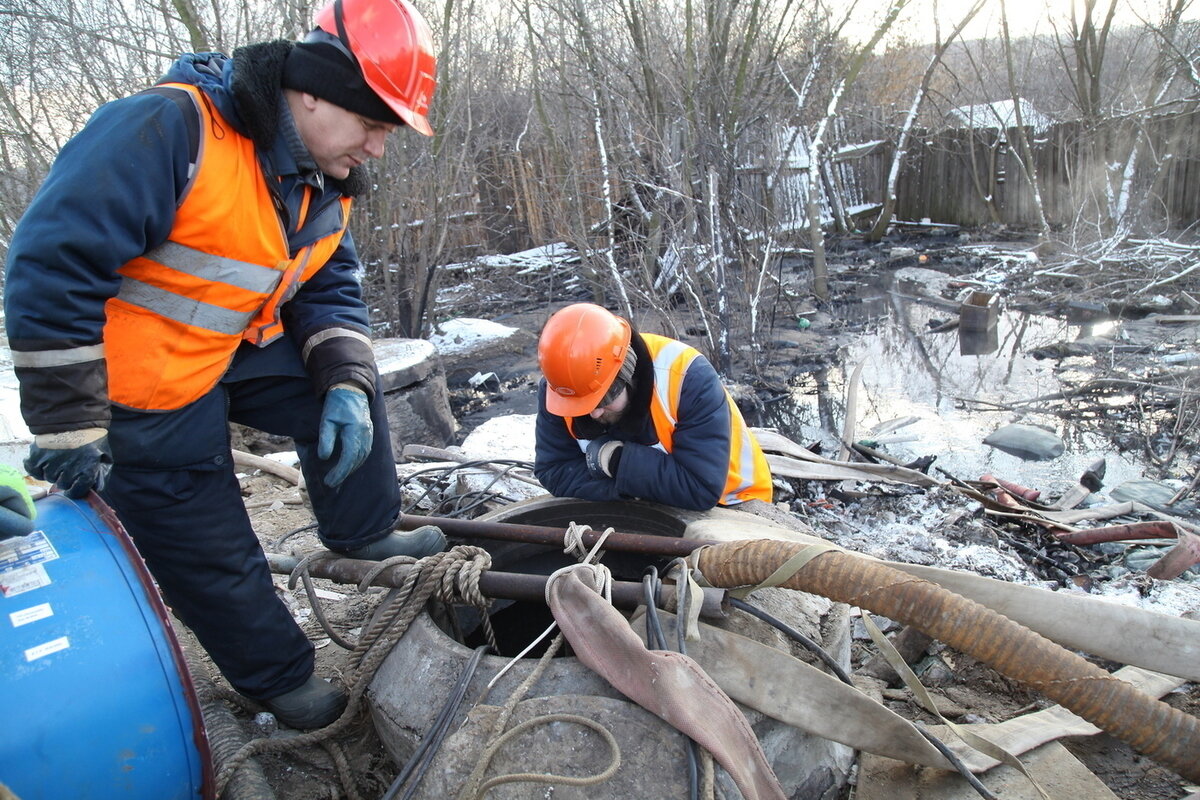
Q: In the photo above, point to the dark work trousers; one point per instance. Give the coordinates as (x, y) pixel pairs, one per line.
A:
(174, 488)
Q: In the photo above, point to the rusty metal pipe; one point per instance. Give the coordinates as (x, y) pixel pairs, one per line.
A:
(1155, 529)
(542, 534)
(502, 585)
(1150, 726)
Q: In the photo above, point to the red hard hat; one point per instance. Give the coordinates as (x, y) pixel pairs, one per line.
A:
(580, 352)
(394, 48)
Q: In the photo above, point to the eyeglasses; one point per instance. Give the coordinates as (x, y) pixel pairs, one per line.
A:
(612, 394)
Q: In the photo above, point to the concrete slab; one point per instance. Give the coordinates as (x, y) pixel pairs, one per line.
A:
(1052, 766)
(404, 362)
(418, 404)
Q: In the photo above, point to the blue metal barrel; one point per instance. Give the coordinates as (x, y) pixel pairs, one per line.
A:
(96, 698)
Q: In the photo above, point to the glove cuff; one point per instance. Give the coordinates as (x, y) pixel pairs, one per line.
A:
(351, 385)
(69, 440)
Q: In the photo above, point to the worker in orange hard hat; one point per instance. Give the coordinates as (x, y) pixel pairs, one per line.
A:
(624, 414)
(187, 263)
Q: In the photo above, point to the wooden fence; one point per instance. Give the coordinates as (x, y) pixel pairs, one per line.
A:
(972, 177)
(958, 176)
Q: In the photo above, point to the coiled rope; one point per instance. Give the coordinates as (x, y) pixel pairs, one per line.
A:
(451, 576)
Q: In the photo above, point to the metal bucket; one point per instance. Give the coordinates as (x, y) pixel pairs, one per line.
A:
(97, 699)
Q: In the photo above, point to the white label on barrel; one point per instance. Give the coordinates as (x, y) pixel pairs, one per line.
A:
(31, 614)
(24, 551)
(19, 581)
(52, 646)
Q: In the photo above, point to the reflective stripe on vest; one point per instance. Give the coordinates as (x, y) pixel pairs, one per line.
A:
(184, 309)
(221, 278)
(749, 475)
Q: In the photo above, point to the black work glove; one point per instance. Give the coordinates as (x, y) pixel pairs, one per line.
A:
(75, 461)
(602, 457)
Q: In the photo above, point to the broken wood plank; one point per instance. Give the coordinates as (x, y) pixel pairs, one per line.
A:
(1052, 766)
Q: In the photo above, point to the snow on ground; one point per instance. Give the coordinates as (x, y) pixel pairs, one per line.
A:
(14, 435)
(395, 355)
(927, 534)
(509, 436)
(465, 334)
(915, 536)
(538, 258)
(925, 529)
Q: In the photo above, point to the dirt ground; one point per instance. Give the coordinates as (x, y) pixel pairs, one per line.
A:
(973, 691)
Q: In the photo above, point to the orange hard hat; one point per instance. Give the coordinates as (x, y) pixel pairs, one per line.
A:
(580, 352)
(394, 48)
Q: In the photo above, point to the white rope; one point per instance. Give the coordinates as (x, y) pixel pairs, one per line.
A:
(573, 545)
(573, 541)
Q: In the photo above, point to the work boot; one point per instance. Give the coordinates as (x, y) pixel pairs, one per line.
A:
(424, 541)
(313, 704)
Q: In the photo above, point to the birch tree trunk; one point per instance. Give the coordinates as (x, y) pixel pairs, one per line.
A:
(879, 229)
(606, 193)
(816, 149)
(1026, 161)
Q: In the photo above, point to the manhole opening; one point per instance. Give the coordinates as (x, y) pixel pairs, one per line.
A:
(517, 623)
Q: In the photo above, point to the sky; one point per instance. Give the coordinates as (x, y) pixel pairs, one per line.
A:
(1025, 17)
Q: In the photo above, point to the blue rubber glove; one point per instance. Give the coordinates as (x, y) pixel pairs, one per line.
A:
(16, 506)
(346, 422)
(75, 461)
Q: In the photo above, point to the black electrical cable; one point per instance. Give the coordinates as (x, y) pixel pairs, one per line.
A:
(444, 473)
(279, 542)
(953, 758)
(656, 640)
(427, 749)
(654, 632)
(795, 635)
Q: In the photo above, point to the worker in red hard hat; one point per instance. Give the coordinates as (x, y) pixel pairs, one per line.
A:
(624, 414)
(186, 263)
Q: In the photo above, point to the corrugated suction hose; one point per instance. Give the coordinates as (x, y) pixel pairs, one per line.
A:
(1148, 725)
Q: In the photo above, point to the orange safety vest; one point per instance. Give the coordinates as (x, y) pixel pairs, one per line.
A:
(219, 279)
(749, 475)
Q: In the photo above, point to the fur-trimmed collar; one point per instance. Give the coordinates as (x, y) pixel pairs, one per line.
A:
(255, 84)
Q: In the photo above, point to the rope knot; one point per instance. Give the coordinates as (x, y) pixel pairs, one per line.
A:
(573, 541)
(462, 566)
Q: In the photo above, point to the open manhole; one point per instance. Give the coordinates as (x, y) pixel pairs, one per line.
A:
(517, 623)
(412, 684)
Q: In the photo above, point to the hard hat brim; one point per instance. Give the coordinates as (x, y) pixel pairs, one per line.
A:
(573, 405)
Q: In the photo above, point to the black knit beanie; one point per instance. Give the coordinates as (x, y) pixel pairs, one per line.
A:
(321, 70)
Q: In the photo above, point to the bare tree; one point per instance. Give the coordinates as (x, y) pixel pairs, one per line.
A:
(817, 145)
(879, 229)
(1025, 160)
(61, 59)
